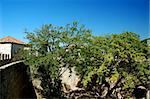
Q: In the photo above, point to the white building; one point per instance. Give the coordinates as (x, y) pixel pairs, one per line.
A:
(9, 46)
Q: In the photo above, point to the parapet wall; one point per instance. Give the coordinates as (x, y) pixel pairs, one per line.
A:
(14, 82)
(3, 62)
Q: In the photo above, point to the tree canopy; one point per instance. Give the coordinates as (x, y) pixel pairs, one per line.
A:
(109, 65)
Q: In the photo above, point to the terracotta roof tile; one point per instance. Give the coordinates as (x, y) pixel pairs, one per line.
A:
(11, 39)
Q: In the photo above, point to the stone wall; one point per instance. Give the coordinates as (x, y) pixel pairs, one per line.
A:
(69, 79)
(14, 82)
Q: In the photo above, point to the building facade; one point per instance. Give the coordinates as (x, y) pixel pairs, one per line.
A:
(9, 47)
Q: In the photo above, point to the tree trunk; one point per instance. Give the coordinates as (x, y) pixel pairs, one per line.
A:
(109, 94)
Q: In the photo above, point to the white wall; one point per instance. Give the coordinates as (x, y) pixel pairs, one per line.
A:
(9, 49)
(6, 49)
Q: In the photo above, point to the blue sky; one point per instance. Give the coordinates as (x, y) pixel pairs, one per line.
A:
(101, 16)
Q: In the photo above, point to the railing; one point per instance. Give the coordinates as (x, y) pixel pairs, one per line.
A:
(4, 56)
(4, 59)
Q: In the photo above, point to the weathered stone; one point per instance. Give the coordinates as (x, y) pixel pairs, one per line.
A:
(70, 79)
(14, 82)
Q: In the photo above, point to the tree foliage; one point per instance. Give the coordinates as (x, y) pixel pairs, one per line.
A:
(121, 64)
(48, 53)
(107, 65)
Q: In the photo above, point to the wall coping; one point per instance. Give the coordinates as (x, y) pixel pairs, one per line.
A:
(10, 64)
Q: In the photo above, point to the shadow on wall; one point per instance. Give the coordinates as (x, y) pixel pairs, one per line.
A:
(3, 62)
(15, 82)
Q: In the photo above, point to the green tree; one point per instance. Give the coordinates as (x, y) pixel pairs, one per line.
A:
(116, 64)
(107, 65)
(47, 53)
